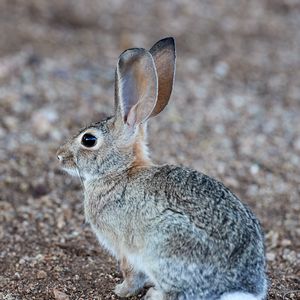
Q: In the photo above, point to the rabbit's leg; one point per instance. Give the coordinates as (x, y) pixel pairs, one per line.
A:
(133, 281)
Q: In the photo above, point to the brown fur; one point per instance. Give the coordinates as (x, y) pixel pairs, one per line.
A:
(126, 269)
(141, 158)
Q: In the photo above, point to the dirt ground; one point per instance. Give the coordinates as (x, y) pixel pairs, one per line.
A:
(234, 115)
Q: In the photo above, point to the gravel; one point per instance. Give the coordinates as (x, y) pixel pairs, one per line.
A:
(234, 115)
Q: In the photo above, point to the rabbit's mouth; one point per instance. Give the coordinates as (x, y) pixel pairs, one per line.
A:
(72, 172)
(70, 169)
(67, 164)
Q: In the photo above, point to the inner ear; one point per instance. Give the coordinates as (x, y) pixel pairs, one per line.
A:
(136, 86)
(164, 56)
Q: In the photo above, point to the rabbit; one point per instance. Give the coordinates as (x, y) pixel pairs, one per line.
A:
(179, 232)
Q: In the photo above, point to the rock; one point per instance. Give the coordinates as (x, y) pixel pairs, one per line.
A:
(272, 238)
(231, 182)
(8, 296)
(43, 121)
(290, 256)
(271, 256)
(60, 221)
(221, 69)
(40, 125)
(254, 169)
(41, 274)
(58, 295)
(39, 257)
(285, 242)
(10, 122)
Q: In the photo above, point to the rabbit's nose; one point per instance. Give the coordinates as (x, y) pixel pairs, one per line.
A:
(59, 154)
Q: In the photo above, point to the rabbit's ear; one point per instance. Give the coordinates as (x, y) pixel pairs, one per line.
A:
(164, 56)
(136, 86)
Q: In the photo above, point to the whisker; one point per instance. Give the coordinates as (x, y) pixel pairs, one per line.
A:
(79, 175)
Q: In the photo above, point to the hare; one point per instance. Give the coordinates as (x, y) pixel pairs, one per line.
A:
(174, 229)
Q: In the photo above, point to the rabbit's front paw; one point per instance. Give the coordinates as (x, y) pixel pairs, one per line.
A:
(123, 290)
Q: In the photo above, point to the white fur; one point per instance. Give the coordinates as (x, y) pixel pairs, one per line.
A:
(104, 242)
(72, 172)
(153, 294)
(240, 296)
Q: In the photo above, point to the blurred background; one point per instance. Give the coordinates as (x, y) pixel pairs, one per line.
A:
(234, 115)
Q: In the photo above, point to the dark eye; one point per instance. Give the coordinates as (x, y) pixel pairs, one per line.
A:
(88, 140)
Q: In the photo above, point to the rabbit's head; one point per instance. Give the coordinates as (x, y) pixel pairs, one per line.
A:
(143, 85)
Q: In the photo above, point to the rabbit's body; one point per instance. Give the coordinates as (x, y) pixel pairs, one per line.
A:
(190, 228)
(173, 228)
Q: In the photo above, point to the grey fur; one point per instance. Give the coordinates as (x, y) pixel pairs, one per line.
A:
(174, 228)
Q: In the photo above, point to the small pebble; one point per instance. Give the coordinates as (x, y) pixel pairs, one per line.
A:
(41, 274)
(58, 295)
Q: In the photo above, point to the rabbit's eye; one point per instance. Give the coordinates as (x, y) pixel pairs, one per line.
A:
(88, 140)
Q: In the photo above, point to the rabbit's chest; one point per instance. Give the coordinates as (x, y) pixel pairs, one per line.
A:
(106, 239)
(103, 213)
(108, 223)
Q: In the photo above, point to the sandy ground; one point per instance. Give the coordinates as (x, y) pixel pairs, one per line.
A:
(234, 115)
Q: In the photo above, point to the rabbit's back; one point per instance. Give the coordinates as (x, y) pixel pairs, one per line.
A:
(206, 202)
(206, 230)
